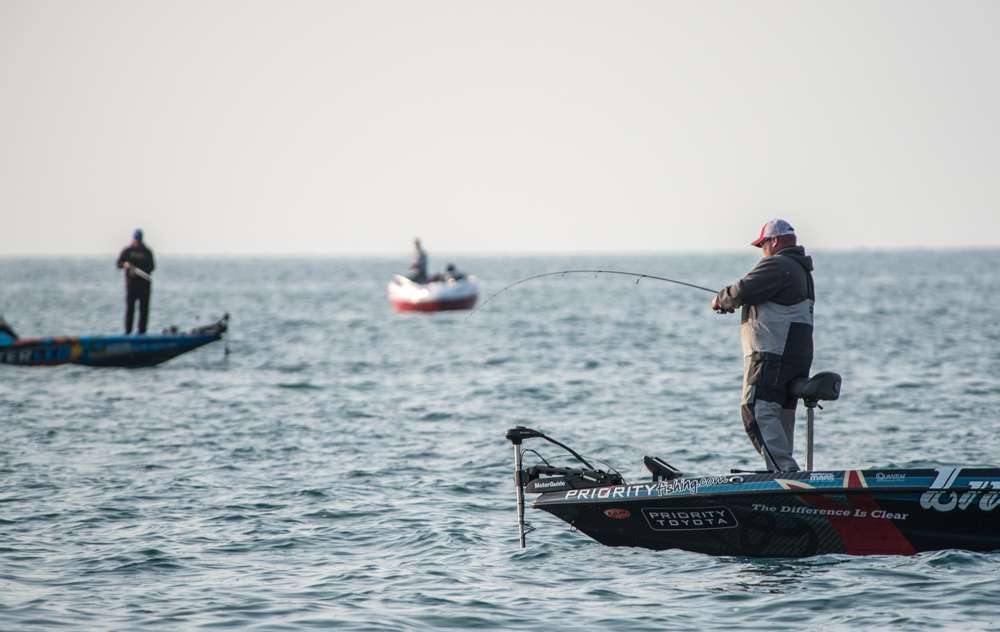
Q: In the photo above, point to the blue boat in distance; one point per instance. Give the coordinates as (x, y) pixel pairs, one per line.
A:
(109, 350)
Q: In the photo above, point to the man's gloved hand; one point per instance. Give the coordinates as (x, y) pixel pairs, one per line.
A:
(718, 309)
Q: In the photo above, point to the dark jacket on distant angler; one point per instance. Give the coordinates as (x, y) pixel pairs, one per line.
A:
(141, 257)
(137, 289)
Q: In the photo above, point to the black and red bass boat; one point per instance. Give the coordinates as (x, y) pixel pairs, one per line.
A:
(768, 514)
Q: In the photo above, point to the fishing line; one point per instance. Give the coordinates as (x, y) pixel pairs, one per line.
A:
(639, 277)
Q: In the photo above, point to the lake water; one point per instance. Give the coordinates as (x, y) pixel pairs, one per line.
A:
(345, 466)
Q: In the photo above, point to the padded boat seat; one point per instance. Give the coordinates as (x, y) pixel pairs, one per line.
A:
(823, 386)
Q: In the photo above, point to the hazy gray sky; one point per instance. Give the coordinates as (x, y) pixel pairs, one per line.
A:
(341, 127)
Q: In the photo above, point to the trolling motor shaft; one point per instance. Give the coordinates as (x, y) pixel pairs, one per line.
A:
(516, 436)
(519, 491)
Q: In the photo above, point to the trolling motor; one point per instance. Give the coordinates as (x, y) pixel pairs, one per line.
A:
(556, 478)
(824, 386)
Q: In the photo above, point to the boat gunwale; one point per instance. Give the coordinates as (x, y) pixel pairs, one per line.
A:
(542, 501)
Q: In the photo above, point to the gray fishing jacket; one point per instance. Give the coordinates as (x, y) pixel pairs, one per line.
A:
(777, 299)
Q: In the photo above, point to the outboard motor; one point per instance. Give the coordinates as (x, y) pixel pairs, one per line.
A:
(824, 386)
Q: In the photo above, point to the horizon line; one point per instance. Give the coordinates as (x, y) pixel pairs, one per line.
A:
(512, 254)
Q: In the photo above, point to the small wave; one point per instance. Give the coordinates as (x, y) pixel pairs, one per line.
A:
(312, 493)
(254, 507)
(910, 385)
(366, 386)
(333, 514)
(436, 416)
(146, 560)
(290, 368)
(357, 414)
(305, 385)
(980, 392)
(534, 392)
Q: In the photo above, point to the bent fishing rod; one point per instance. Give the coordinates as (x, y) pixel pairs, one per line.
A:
(639, 276)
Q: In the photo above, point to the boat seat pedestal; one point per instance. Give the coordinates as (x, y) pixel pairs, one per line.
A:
(824, 386)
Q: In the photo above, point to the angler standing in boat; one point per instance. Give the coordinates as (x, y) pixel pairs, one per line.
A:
(137, 261)
(776, 327)
(418, 269)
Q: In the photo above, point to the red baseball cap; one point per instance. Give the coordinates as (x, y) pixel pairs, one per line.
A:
(773, 228)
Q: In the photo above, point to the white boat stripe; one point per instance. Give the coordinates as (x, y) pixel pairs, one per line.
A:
(945, 478)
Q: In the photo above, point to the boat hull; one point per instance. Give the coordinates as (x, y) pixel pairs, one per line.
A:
(884, 512)
(435, 306)
(108, 351)
(437, 296)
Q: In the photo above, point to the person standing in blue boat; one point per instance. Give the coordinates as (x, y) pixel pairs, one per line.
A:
(137, 261)
(418, 269)
(776, 332)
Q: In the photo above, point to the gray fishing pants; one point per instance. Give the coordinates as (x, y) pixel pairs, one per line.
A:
(768, 407)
